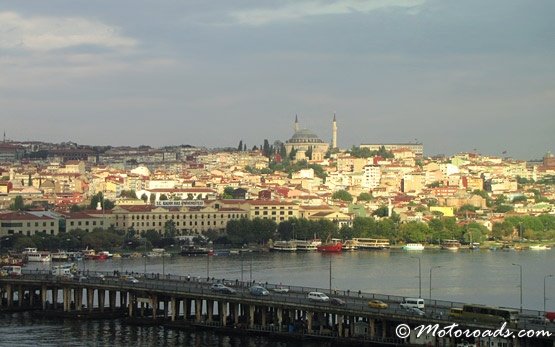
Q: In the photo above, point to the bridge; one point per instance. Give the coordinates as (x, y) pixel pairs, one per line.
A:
(184, 302)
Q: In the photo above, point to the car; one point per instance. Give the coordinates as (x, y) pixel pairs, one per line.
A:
(130, 279)
(415, 311)
(377, 304)
(216, 287)
(539, 320)
(100, 277)
(219, 287)
(337, 301)
(318, 296)
(259, 291)
(281, 290)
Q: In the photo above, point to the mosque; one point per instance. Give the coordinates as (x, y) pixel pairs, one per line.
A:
(303, 141)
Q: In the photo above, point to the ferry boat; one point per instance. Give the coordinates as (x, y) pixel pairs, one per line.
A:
(333, 247)
(349, 245)
(367, 243)
(451, 245)
(306, 246)
(284, 246)
(60, 256)
(413, 247)
(195, 250)
(539, 247)
(32, 255)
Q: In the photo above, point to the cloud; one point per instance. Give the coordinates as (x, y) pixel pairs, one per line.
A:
(297, 9)
(50, 33)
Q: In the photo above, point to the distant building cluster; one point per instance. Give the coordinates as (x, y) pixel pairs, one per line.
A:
(51, 179)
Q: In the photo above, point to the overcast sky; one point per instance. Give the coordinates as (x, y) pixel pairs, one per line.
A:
(456, 75)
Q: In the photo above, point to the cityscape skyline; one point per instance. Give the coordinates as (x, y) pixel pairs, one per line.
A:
(456, 77)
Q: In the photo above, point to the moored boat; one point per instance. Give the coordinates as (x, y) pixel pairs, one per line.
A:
(451, 245)
(349, 245)
(284, 246)
(332, 247)
(368, 243)
(308, 245)
(32, 255)
(60, 256)
(539, 247)
(413, 247)
(195, 250)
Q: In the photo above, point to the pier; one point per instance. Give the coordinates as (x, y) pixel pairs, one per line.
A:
(184, 303)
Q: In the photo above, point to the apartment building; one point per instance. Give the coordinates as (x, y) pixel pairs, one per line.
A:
(26, 223)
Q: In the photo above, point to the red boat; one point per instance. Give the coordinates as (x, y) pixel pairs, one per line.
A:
(334, 246)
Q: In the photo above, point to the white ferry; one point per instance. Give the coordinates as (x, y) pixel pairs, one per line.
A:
(413, 247)
(284, 246)
(366, 243)
(60, 256)
(349, 245)
(310, 245)
(451, 245)
(33, 255)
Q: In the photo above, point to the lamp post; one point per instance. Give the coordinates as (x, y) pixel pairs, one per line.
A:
(419, 277)
(520, 286)
(330, 274)
(544, 295)
(241, 268)
(207, 267)
(145, 255)
(431, 268)
(250, 270)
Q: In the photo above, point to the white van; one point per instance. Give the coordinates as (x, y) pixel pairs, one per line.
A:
(412, 302)
(317, 296)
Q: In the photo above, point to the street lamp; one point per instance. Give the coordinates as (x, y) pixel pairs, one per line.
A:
(419, 277)
(431, 268)
(145, 255)
(250, 270)
(330, 273)
(520, 268)
(241, 268)
(544, 296)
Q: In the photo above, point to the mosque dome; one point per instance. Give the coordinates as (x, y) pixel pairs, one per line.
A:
(304, 136)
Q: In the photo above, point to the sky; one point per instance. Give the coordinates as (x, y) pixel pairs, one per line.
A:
(455, 75)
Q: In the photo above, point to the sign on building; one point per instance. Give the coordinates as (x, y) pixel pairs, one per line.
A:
(179, 203)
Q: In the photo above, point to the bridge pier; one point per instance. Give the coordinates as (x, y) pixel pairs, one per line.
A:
(90, 298)
(223, 313)
(279, 317)
(155, 303)
(112, 299)
(251, 316)
(130, 307)
(173, 308)
(371, 327)
(263, 310)
(198, 310)
(235, 314)
(101, 299)
(209, 310)
(187, 306)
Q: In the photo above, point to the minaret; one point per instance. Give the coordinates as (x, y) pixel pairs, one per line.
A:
(296, 123)
(334, 133)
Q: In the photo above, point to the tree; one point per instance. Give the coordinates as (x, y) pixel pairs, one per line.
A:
(228, 193)
(520, 198)
(169, 229)
(382, 211)
(342, 195)
(240, 147)
(365, 196)
(130, 194)
(76, 208)
(163, 197)
(18, 204)
(99, 198)
(144, 197)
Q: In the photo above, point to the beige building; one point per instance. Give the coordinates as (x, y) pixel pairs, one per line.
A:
(25, 223)
(304, 141)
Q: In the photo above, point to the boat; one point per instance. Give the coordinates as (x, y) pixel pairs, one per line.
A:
(474, 246)
(350, 245)
(367, 243)
(331, 247)
(60, 256)
(32, 255)
(308, 245)
(539, 247)
(451, 245)
(284, 246)
(195, 250)
(413, 247)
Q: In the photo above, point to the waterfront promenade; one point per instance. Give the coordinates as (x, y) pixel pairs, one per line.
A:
(184, 302)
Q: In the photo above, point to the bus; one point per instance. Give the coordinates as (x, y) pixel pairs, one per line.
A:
(483, 313)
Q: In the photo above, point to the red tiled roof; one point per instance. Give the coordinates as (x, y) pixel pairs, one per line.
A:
(22, 216)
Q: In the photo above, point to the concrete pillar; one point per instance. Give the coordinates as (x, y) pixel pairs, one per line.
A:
(251, 316)
(309, 321)
(131, 305)
(154, 301)
(384, 328)
(78, 298)
(55, 297)
(173, 308)
(236, 313)
(279, 318)
(112, 299)
(263, 310)
(90, 298)
(209, 310)
(187, 304)
(123, 299)
(198, 310)
(20, 296)
(371, 327)
(223, 313)
(9, 292)
(340, 319)
(66, 298)
(32, 297)
(101, 299)
(43, 293)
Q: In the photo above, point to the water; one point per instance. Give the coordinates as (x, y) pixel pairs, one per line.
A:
(482, 276)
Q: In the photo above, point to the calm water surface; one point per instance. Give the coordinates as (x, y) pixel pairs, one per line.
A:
(482, 276)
